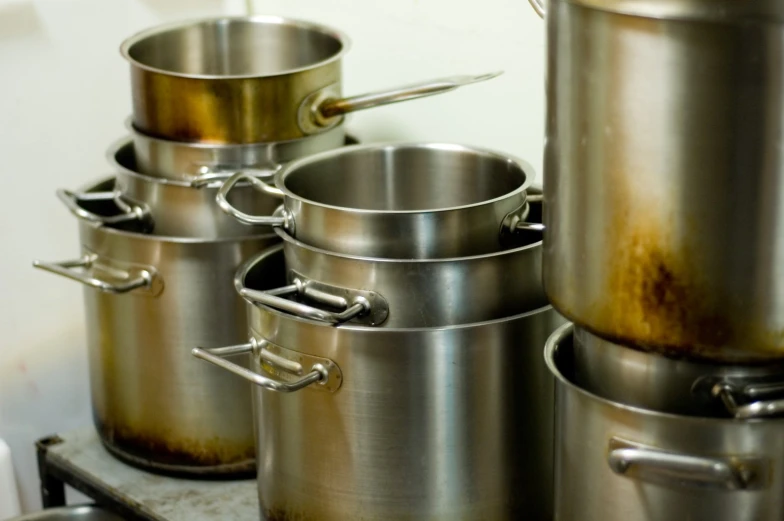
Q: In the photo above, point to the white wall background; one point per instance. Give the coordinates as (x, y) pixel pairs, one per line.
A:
(64, 95)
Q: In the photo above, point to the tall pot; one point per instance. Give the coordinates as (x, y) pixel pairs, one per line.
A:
(388, 424)
(148, 300)
(663, 173)
(248, 80)
(615, 462)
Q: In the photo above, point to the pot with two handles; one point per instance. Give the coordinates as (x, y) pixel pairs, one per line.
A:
(355, 422)
(397, 201)
(169, 188)
(148, 300)
(681, 249)
(249, 80)
(618, 462)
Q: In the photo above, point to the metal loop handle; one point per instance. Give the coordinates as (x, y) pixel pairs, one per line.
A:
(317, 374)
(539, 7)
(66, 269)
(274, 299)
(130, 211)
(727, 392)
(208, 176)
(264, 220)
(697, 470)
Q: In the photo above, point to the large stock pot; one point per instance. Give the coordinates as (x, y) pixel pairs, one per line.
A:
(397, 200)
(663, 173)
(615, 462)
(336, 288)
(248, 80)
(148, 301)
(387, 424)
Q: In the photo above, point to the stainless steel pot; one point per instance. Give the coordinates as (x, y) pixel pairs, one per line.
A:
(334, 288)
(175, 207)
(679, 386)
(388, 424)
(614, 462)
(663, 172)
(248, 80)
(201, 162)
(402, 200)
(148, 300)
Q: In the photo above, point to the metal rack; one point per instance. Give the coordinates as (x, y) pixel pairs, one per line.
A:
(79, 460)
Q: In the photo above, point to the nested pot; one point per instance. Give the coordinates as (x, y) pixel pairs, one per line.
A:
(387, 424)
(614, 461)
(248, 80)
(664, 197)
(392, 293)
(148, 300)
(181, 207)
(676, 385)
(399, 200)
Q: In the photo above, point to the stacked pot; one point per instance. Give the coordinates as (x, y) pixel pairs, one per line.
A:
(210, 98)
(396, 355)
(662, 205)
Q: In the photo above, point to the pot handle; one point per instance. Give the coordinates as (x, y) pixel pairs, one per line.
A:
(539, 7)
(727, 392)
(319, 373)
(245, 218)
(138, 278)
(129, 211)
(274, 299)
(681, 468)
(321, 109)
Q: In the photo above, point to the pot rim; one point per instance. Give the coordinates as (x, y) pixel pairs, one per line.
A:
(291, 167)
(160, 238)
(282, 234)
(565, 331)
(131, 41)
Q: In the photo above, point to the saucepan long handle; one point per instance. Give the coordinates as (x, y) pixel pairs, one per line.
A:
(321, 109)
(539, 7)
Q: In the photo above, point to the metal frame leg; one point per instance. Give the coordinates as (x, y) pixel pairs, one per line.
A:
(52, 488)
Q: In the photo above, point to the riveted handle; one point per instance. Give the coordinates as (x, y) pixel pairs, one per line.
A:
(78, 270)
(256, 220)
(322, 109)
(322, 371)
(680, 469)
(128, 210)
(274, 299)
(729, 393)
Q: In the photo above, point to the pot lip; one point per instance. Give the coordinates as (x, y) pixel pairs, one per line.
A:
(161, 238)
(340, 36)
(291, 167)
(282, 234)
(566, 331)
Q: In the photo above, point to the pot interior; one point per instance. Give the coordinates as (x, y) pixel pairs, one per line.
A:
(405, 178)
(234, 47)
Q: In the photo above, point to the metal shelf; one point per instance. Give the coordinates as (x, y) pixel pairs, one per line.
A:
(78, 459)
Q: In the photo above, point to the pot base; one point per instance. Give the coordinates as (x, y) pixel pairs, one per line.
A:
(241, 470)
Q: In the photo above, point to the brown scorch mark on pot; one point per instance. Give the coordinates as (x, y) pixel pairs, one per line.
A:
(282, 514)
(160, 450)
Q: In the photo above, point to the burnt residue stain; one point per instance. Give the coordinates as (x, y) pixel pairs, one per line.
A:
(181, 456)
(283, 514)
(659, 300)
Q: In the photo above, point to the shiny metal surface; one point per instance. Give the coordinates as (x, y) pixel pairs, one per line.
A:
(153, 405)
(194, 162)
(449, 423)
(695, 10)
(446, 200)
(615, 462)
(72, 513)
(426, 292)
(663, 198)
(248, 80)
(660, 383)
